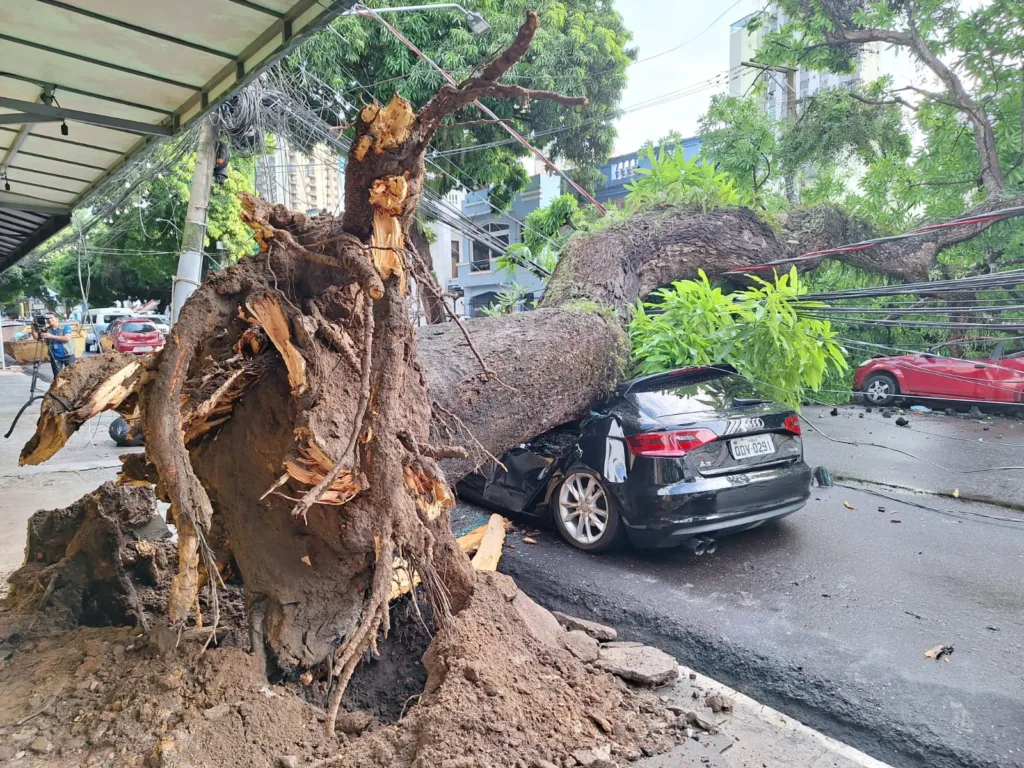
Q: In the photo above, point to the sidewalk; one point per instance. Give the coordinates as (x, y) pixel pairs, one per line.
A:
(89, 459)
(750, 735)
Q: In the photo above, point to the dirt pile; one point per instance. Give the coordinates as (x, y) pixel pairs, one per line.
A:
(491, 700)
(101, 561)
(119, 696)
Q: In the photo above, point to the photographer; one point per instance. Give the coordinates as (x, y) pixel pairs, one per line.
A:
(58, 341)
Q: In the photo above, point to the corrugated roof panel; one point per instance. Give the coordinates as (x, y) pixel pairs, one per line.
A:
(120, 73)
(82, 36)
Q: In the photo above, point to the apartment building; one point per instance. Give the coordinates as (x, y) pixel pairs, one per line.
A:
(308, 183)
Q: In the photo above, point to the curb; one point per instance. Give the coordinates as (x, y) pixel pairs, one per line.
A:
(744, 706)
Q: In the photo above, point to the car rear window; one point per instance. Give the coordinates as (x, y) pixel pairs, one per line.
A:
(137, 327)
(691, 393)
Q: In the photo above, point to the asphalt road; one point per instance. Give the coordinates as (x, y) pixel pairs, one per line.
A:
(957, 448)
(826, 615)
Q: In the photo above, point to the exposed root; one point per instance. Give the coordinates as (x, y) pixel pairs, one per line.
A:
(91, 386)
(267, 310)
(314, 494)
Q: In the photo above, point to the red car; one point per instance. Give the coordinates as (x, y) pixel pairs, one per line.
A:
(996, 379)
(134, 335)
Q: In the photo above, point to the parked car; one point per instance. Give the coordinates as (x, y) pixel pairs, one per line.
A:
(670, 459)
(134, 335)
(998, 378)
(97, 321)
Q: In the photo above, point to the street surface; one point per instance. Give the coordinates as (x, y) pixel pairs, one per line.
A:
(957, 444)
(87, 461)
(826, 615)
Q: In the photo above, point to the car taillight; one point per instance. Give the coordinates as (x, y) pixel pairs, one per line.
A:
(668, 444)
(792, 424)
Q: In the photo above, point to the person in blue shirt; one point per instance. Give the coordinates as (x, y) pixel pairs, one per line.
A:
(59, 343)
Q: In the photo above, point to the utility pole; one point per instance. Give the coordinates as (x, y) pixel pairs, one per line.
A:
(790, 73)
(193, 237)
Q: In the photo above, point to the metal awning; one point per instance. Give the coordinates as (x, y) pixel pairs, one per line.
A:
(119, 74)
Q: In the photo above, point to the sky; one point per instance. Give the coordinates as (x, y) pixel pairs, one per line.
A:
(657, 26)
(702, 29)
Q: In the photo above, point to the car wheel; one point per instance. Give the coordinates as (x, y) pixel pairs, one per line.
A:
(585, 513)
(881, 389)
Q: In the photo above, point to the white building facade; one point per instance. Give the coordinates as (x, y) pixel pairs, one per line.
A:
(781, 88)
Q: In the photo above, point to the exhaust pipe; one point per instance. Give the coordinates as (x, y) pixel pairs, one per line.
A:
(696, 545)
(710, 545)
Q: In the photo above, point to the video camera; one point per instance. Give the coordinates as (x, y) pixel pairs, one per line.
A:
(39, 321)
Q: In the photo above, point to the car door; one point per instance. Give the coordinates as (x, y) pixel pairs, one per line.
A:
(999, 378)
(944, 377)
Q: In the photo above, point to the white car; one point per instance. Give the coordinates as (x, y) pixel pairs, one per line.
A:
(160, 322)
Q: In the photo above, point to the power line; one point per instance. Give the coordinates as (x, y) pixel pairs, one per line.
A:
(863, 245)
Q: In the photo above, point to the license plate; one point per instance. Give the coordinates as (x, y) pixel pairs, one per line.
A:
(144, 349)
(751, 447)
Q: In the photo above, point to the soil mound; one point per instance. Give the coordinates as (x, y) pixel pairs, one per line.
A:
(118, 696)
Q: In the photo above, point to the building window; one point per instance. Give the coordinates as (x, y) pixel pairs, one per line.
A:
(456, 255)
(482, 253)
(479, 303)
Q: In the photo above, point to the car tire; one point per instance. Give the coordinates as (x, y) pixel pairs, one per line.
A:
(881, 389)
(584, 512)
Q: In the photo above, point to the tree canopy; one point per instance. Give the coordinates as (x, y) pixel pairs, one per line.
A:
(580, 50)
(133, 254)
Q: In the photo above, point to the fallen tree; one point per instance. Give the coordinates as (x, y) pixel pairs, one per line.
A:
(299, 426)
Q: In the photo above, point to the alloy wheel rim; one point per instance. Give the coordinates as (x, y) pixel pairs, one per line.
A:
(878, 390)
(583, 508)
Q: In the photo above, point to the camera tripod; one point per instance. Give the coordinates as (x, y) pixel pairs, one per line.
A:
(32, 396)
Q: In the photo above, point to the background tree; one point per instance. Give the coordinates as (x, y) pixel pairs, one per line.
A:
(133, 254)
(582, 50)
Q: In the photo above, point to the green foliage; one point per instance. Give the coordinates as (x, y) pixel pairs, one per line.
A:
(510, 300)
(581, 49)
(940, 177)
(674, 180)
(134, 254)
(552, 222)
(540, 263)
(739, 137)
(21, 281)
(756, 330)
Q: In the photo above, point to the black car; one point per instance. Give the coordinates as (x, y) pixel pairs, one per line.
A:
(670, 459)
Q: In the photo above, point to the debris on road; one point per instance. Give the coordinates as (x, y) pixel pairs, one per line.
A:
(938, 652)
(848, 505)
(639, 664)
(718, 703)
(956, 493)
(921, 408)
(881, 509)
(901, 422)
(582, 646)
(823, 476)
(834, 412)
(529, 540)
(895, 521)
(597, 631)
